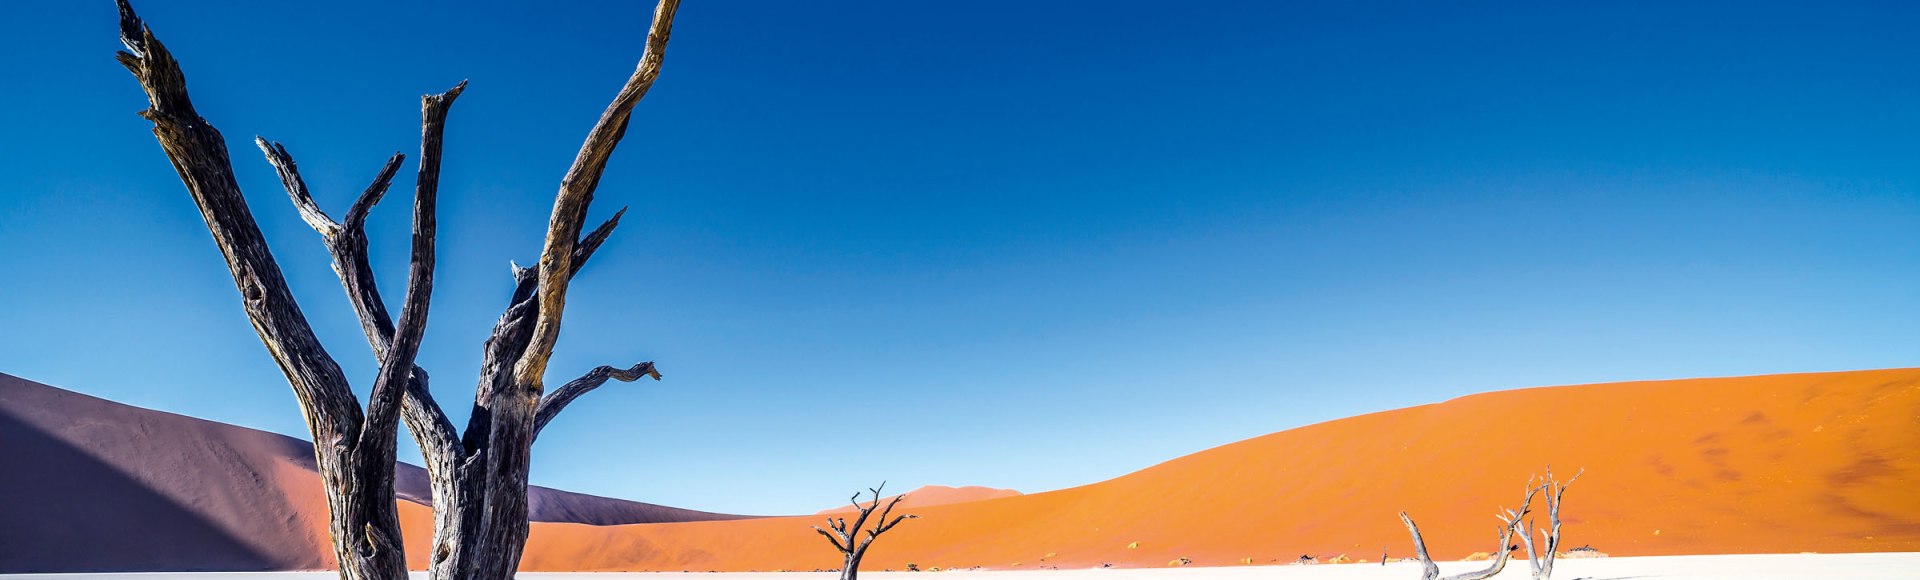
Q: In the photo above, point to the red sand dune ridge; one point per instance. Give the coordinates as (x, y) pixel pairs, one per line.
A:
(931, 495)
(1823, 462)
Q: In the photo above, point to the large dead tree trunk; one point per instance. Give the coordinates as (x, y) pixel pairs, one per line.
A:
(479, 475)
(847, 539)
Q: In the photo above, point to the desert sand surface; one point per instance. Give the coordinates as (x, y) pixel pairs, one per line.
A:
(1726, 567)
(1818, 462)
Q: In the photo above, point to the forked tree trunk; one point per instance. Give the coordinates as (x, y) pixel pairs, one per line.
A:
(1541, 561)
(847, 539)
(478, 476)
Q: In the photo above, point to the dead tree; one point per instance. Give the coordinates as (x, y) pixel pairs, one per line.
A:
(1542, 561)
(479, 474)
(843, 536)
(1510, 522)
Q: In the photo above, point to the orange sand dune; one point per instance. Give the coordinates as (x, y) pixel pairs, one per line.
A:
(1826, 462)
(928, 495)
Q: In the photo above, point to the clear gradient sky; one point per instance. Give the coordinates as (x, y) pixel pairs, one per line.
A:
(1015, 244)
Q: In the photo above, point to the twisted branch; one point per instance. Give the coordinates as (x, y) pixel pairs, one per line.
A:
(1510, 522)
(556, 401)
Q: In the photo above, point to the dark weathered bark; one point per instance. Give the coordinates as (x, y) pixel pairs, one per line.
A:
(1541, 562)
(346, 241)
(843, 536)
(516, 361)
(479, 477)
(357, 468)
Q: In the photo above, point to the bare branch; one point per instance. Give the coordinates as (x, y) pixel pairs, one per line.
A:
(832, 540)
(1560, 489)
(347, 243)
(1513, 517)
(880, 526)
(524, 278)
(839, 528)
(515, 327)
(1430, 571)
(576, 194)
(350, 261)
(396, 367)
(896, 521)
(866, 511)
(1499, 559)
(199, 155)
(296, 187)
(593, 240)
(556, 401)
(357, 213)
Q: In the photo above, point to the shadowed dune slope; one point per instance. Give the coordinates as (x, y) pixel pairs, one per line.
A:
(1824, 462)
(91, 485)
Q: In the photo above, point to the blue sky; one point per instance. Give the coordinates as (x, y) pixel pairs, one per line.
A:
(1016, 244)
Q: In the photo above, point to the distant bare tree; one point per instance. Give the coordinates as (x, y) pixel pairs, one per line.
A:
(1510, 522)
(1542, 561)
(843, 536)
(479, 475)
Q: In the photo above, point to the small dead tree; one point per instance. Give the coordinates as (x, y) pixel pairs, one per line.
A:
(478, 476)
(1542, 561)
(1510, 522)
(844, 537)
